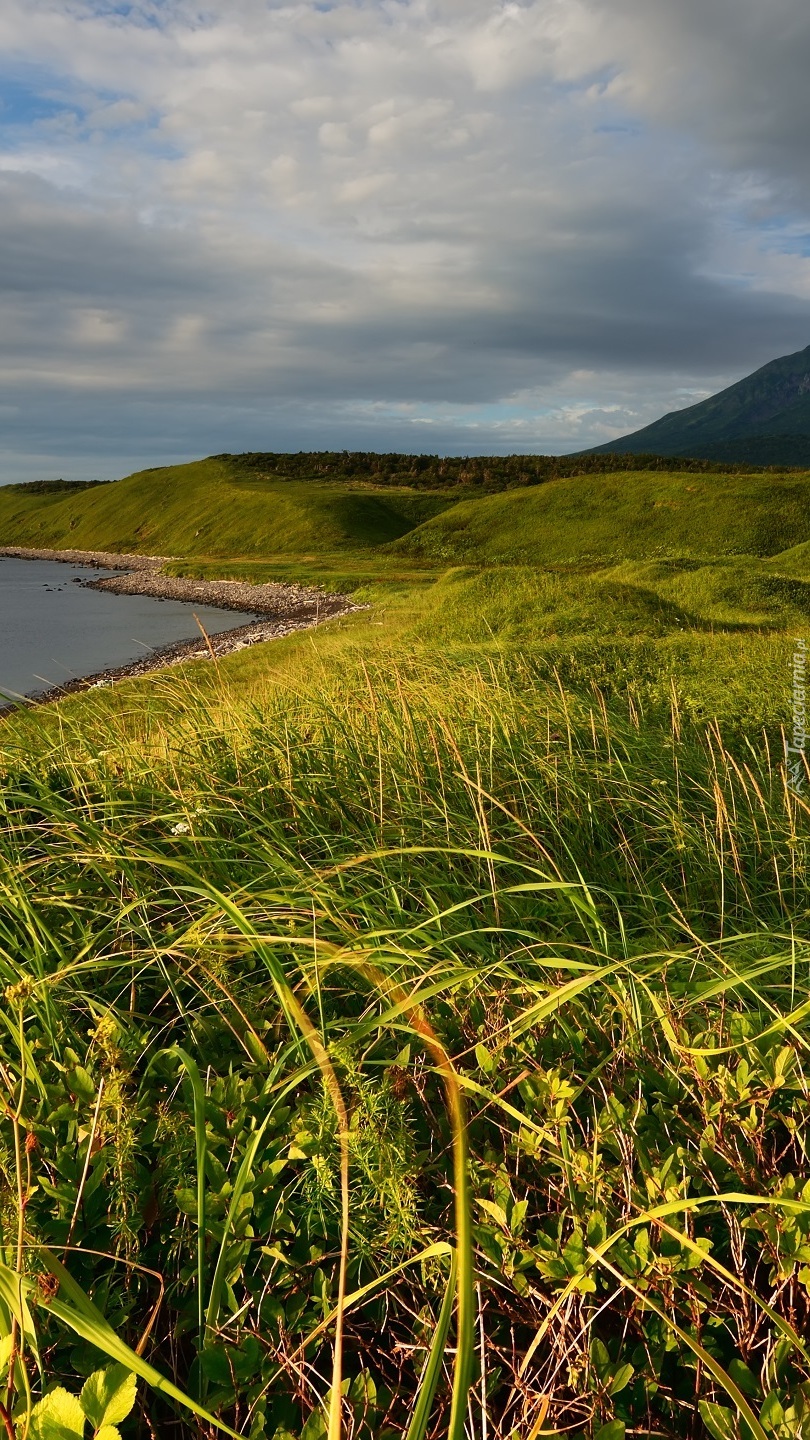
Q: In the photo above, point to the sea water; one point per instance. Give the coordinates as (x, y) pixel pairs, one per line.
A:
(53, 630)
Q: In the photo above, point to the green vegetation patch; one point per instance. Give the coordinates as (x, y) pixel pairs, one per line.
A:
(208, 508)
(603, 519)
(451, 472)
(335, 573)
(375, 896)
(405, 1024)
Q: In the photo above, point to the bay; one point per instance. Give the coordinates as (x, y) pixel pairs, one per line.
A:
(53, 630)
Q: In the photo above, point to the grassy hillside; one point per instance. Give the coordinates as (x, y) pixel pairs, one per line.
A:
(270, 505)
(229, 506)
(405, 1027)
(443, 954)
(211, 508)
(633, 515)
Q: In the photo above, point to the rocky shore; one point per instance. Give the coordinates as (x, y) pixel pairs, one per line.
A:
(290, 601)
(95, 559)
(281, 609)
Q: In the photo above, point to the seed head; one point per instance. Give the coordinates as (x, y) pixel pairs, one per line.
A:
(16, 995)
(48, 1287)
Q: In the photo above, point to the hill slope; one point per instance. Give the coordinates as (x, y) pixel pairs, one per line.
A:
(629, 516)
(211, 508)
(763, 419)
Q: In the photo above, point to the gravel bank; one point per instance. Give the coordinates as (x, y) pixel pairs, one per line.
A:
(95, 559)
(290, 601)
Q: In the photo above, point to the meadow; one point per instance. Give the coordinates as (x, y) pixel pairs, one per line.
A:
(405, 1026)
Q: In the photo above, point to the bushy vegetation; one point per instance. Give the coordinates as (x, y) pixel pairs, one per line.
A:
(405, 1025)
(53, 487)
(487, 473)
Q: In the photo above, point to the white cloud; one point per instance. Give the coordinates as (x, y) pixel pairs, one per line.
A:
(426, 202)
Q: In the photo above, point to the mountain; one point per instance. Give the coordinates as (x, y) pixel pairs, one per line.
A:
(761, 420)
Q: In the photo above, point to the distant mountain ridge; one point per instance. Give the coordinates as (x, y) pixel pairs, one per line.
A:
(763, 419)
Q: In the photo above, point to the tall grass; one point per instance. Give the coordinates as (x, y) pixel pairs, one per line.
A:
(418, 1057)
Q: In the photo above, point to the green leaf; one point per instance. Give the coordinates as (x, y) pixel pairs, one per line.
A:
(495, 1210)
(6, 1347)
(641, 1245)
(597, 1229)
(13, 1295)
(431, 1374)
(719, 1421)
(518, 1216)
(745, 1378)
(108, 1432)
(485, 1060)
(81, 1083)
(614, 1430)
(771, 1414)
(239, 1187)
(215, 1366)
(109, 1395)
(600, 1360)
(621, 1379)
(779, 1359)
(315, 1428)
(58, 1416)
(574, 1254)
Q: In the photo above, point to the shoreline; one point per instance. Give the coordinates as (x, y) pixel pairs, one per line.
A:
(93, 559)
(280, 610)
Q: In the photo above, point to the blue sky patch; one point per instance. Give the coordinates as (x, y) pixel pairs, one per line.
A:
(24, 101)
(136, 14)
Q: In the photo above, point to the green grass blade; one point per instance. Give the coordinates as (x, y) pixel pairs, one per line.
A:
(200, 1147)
(429, 1380)
(239, 1186)
(13, 1295)
(82, 1316)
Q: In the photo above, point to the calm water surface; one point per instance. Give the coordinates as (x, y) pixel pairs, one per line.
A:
(52, 630)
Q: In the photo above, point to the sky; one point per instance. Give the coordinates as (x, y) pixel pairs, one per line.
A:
(443, 226)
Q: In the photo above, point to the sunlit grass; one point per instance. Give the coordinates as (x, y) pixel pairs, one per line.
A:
(409, 1047)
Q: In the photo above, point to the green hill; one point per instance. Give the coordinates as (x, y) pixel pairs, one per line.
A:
(763, 419)
(274, 504)
(220, 510)
(631, 516)
(212, 507)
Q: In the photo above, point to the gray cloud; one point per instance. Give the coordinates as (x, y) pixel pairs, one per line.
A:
(410, 224)
(733, 73)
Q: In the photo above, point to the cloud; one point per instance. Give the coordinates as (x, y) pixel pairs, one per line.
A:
(295, 217)
(732, 73)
